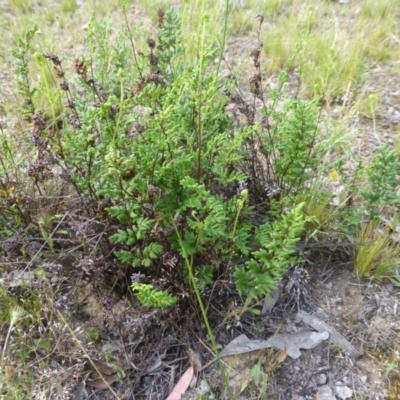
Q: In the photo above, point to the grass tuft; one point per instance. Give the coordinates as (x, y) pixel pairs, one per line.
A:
(376, 255)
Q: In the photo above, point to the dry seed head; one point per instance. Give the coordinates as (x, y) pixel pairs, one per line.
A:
(81, 68)
(39, 171)
(38, 141)
(71, 104)
(160, 17)
(225, 91)
(255, 54)
(151, 77)
(59, 73)
(64, 86)
(74, 121)
(260, 17)
(137, 128)
(153, 59)
(151, 43)
(250, 114)
(248, 111)
(53, 58)
(255, 85)
(237, 99)
(155, 78)
(65, 176)
(38, 122)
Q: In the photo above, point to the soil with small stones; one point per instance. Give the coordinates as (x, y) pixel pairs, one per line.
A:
(142, 353)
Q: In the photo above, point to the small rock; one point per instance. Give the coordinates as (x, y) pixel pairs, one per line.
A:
(22, 278)
(393, 116)
(325, 393)
(321, 379)
(343, 392)
(204, 387)
(321, 314)
(109, 348)
(345, 381)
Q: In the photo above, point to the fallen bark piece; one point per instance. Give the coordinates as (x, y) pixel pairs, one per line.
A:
(336, 337)
(182, 385)
(292, 342)
(270, 301)
(298, 340)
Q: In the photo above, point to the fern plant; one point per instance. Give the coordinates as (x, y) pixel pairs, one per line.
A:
(172, 169)
(383, 185)
(151, 297)
(293, 144)
(276, 253)
(25, 89)
(150, 136)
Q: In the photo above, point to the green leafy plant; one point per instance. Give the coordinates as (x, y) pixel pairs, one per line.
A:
(157, 145)
(173, 168)
(382, 176)
(154, 142)
(294, 144)
(151, 297)
(23, 83)
(277, 253)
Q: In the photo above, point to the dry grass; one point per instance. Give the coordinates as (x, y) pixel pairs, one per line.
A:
(376, 255)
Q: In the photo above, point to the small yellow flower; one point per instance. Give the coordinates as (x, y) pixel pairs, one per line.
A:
(8, 192)
(333, 175)
(372, 96)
